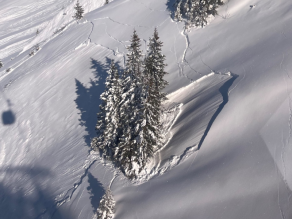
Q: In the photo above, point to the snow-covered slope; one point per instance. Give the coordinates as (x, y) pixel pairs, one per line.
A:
(240, 122)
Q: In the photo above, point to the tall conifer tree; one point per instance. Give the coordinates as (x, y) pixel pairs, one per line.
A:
(131, 104)
(108, 118)
(154, 72)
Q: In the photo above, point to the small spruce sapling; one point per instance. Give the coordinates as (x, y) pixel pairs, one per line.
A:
(106, 2)
(1, 64)
(79, 11)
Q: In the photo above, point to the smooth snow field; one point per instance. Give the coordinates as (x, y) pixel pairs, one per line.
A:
(228, 118)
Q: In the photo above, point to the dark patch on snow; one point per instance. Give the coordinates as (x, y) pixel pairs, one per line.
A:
(15, 200)
(88, 100)
(8, 117)
(224, 92)
(169, 5)
(96, 191)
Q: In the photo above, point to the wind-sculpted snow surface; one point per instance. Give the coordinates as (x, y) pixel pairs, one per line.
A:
(243, 167)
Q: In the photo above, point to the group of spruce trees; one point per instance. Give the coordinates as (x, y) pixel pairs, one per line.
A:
(128, 126)
(195, 12)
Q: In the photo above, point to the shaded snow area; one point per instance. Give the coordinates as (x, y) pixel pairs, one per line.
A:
(227, 120)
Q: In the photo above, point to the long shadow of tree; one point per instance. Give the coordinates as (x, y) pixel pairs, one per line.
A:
(96, 191)
(88, 100)
(15, 200)
(169, 6)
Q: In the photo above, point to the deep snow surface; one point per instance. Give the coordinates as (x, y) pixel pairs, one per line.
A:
(229, 147)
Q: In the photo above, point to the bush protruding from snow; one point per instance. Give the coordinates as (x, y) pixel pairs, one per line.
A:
(195, 12)
(34, 50)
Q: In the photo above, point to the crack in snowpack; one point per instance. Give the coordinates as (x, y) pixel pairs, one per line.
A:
(224, 92)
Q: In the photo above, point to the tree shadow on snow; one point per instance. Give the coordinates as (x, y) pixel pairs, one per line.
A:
(169, 6)
(88, 100)
(95, 190)
(27, 198)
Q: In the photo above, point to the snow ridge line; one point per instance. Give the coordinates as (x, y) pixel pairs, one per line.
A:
(193, 82)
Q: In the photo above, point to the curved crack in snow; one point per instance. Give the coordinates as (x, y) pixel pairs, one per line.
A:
(224, 92)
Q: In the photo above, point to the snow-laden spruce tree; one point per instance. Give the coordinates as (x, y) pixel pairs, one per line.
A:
(106, 208)
(108, 122)
(150, 130)
(128, 152)
(195, 12)
(79, 11)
